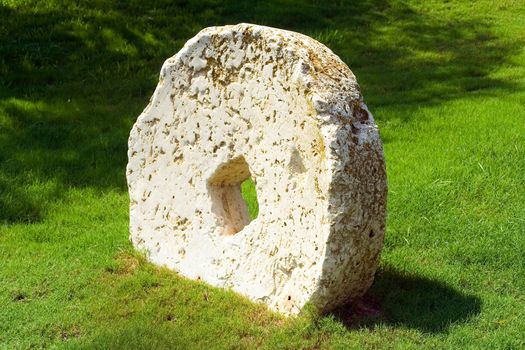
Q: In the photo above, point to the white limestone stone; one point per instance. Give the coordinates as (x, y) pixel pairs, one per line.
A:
(247, 100)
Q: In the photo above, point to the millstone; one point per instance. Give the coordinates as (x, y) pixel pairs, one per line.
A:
(277, 106)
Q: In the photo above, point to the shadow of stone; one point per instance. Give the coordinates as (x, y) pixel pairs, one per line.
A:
(400, 299)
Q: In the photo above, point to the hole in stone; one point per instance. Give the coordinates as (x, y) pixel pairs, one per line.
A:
(233, 196)
(371, 234)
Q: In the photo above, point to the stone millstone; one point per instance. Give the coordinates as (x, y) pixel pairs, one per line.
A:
(250, 101)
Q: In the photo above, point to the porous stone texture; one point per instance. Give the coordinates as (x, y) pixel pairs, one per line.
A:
(247, 100)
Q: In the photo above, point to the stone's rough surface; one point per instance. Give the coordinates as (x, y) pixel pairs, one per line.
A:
(247, 100)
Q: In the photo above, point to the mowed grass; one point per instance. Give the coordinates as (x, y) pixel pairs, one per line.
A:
(446, 84)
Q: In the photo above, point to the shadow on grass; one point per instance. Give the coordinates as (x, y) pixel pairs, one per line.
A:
(74, 76)
(400, 299)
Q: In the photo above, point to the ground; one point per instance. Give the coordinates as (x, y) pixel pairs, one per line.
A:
(446, 83)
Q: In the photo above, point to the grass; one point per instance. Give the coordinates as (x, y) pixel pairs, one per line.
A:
(446, 83)
(249, 194)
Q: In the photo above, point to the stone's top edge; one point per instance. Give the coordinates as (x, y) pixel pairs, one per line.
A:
(245, 25)
(319, 70)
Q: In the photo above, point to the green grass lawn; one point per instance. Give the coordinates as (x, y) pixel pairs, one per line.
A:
(446, 83)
